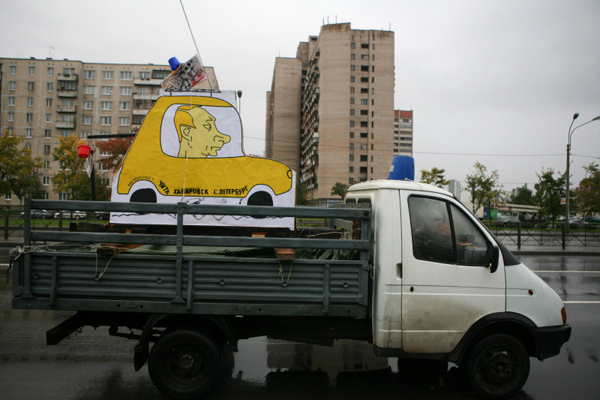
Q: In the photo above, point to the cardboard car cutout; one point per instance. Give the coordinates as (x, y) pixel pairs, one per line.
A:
(189, 149)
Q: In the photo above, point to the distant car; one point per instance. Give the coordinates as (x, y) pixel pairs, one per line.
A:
(71, 214)
(593, 219)
(43, 214)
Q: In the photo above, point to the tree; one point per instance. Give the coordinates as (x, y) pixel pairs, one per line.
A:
(339, 189)
(72, 177)
(484, 188)
(116, 150)
(301, 194)
(434, 177)
(549, 192)
(18, 171)
(588, 193)
(522, 195)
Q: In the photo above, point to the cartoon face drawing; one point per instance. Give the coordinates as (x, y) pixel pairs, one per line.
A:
(198, 134)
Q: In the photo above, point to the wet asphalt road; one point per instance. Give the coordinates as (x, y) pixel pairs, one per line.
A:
(93, 365)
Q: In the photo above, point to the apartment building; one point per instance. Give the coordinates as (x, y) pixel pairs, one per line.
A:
(403, 133)
(330, 111)
(44, 99)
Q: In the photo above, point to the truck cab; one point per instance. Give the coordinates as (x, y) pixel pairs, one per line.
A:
(445, 288)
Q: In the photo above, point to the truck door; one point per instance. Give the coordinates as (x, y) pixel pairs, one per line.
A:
(447, 284)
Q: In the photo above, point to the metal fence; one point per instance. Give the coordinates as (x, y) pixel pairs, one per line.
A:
(547, 234)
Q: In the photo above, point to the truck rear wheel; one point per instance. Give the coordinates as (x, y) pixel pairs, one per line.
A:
(497, 366)
(185, 364)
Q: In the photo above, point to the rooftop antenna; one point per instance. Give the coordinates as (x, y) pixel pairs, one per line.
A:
(50, 52)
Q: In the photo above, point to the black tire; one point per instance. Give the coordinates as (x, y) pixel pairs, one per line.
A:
(497, 366)
(185, 364)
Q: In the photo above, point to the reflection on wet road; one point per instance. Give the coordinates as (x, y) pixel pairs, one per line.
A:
(93, 365)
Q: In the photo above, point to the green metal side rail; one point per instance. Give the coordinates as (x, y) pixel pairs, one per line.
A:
(82, 279)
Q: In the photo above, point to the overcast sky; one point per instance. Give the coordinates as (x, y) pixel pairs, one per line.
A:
(488, 80)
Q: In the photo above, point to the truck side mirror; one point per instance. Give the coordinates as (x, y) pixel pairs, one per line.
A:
(493, 259)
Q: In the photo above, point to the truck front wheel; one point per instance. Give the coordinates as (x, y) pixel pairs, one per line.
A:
(185, 364)
(497, 366)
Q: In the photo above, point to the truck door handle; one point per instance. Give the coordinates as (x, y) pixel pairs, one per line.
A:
(399, 267)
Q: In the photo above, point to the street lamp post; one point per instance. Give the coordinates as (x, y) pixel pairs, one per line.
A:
(567, 216)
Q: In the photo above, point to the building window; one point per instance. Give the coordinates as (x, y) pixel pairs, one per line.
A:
(28, 133)
(29, 117)
(89, 74)
(31, 86)
(351, 170)
(47, 149)
(87, 120)
(364, 135)
(106, 105)
(352, 100)
(124, 121)
(50, 71)
(351, 157)
(364, 68)
(363, 147)
(351, 146)
(352, 79)
(47, 133)
(363, 170)
(364, 56)
(125, 90)
(11, 101)
(364, 79)
(68, 71)
(353, 68)
(7, 197)
(89, 90)
(364, 45)
(351, 135)
(353, 56)
(46, 180)
(13, 69)
(63, 196)
(160, 73)
(144, 74)
(30, 102)
(108, 75)
(351, 124)
(31, 70)
(364, 90)
(352, 111)
(364, 102)
(124, 105)
(126, 75)
(352, 45)
(364, 112)
(364, 158)
(352, 90)
(10, 117)
(48, 118)
(88, 105)
(48, 102)
(50, 87)
(12, 85)
(107, 90)
(105, 120)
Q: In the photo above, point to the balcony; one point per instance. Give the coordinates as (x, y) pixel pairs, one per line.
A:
(147, 82)
(66, 109)
(65, 125)
(140, 111)
(66, 93)
(149, 96)
(68, 77)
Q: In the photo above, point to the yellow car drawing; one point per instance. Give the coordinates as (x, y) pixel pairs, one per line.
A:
(189, 148)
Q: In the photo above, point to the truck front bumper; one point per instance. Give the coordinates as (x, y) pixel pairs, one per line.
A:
(549, 340)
